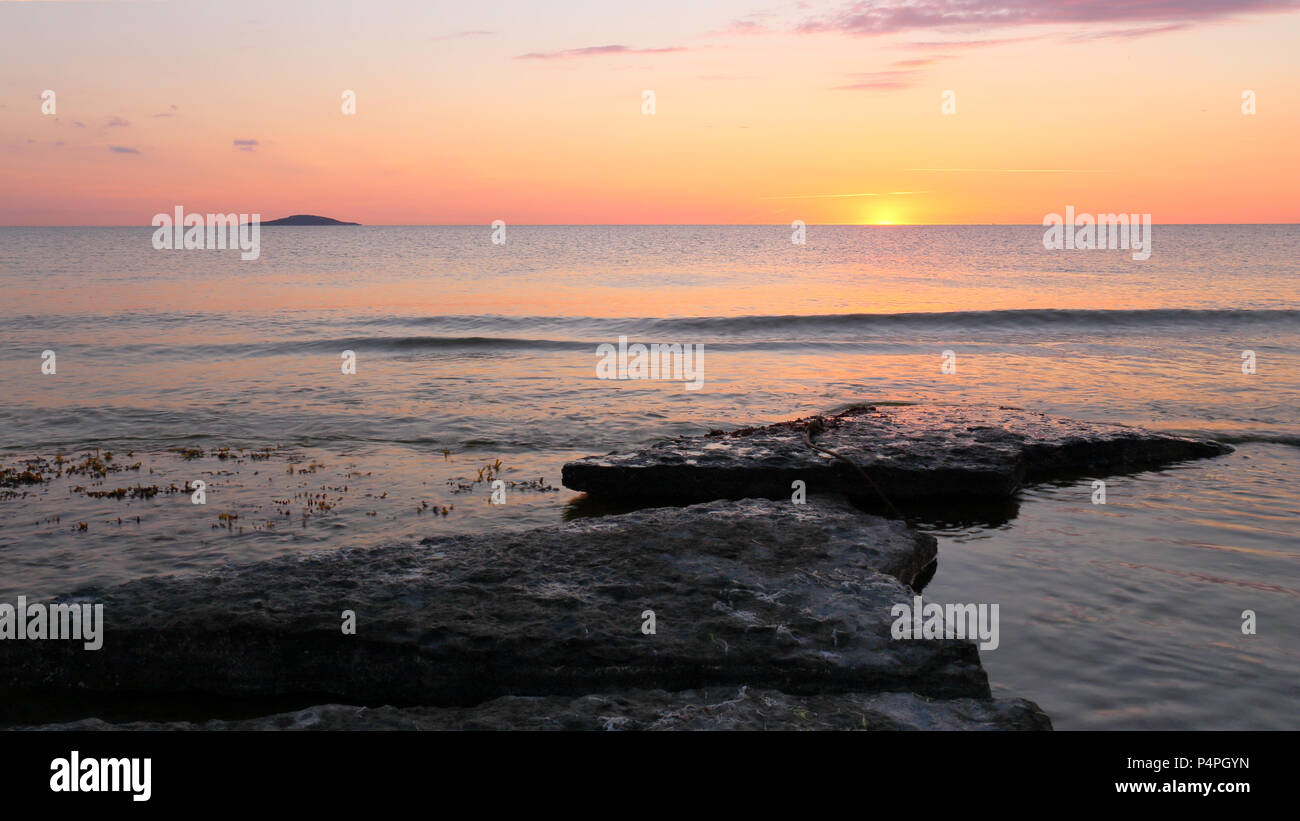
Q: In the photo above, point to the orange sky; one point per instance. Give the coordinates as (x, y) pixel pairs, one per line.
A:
(763, 115)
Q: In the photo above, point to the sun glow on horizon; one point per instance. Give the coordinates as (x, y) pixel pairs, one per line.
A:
(881, 214)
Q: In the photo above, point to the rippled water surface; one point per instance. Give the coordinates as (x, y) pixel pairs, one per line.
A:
(476, 361)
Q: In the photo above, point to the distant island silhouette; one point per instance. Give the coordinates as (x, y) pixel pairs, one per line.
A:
(307, 219)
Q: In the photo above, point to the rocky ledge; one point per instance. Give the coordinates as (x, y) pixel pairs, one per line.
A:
(745, 611)
(908, 452)
(791, 600)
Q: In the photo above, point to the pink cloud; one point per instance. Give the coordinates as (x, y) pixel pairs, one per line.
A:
(869, 17)
(592, 51)
(958, 45)
(1130, 33)
(876, 85)
(882, 80)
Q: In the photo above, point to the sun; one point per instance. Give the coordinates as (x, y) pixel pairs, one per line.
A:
(881, 214)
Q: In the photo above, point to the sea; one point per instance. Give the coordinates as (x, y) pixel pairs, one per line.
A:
(362, 386)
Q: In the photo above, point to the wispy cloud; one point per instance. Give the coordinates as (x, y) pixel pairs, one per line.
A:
(903, 74)
(595, 51)
(1130, 33)
(958, 45)
(246, 145)
(889, 79)
(749, 25)
(746, 27)
(873, 17)
(116, 122)
(881, 80)
(121, 149)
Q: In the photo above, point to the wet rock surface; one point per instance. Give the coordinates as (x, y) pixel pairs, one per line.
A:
(767, 614)
(735, 708)
(769, 594)
(908, 452)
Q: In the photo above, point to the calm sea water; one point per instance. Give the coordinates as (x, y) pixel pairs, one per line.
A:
(477, 360)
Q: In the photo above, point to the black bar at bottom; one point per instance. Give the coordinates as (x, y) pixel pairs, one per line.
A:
(635, 771)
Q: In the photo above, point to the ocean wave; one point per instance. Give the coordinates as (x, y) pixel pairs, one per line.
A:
(1245, 438)
(586, 326)
(1013, 319)
(488, 333)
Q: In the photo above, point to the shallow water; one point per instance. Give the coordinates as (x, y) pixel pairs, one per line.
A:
(1125, 615)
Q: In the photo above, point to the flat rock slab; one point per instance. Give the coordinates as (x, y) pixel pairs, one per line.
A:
(770, 594)
(909, 452)
(738, 708)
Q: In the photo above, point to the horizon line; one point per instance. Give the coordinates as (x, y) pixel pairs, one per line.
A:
(642, 225)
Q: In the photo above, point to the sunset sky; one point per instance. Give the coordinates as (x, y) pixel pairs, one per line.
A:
(531, 112)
